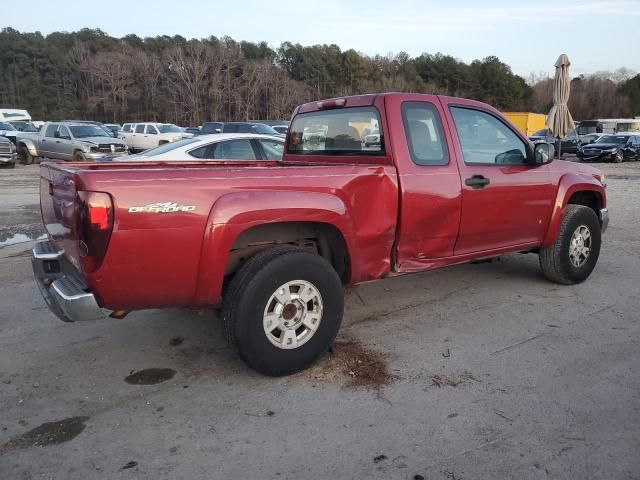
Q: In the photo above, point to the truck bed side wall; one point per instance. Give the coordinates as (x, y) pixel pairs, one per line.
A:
(179, 258)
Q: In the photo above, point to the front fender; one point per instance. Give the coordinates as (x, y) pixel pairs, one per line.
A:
(30, 145)
(571, 183)
(234, 213)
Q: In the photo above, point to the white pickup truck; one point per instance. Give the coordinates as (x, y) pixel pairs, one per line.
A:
(143, 136)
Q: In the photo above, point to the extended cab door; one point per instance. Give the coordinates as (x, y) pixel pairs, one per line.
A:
(47, 140)
(137, 137)
(505, 201)
(430, 201)
(150, 137)
(64, 144)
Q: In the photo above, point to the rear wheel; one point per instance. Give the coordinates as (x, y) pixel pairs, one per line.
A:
(282, 310)
(573, 256)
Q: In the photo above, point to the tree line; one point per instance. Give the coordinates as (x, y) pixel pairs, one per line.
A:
(91, 75)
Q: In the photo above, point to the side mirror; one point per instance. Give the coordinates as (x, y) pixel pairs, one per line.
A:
(542, 153)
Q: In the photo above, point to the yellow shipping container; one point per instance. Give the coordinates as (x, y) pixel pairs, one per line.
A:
(527, 122)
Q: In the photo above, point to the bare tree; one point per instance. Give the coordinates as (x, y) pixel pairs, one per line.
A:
(187, 74)
(114, 73)
(148, 72)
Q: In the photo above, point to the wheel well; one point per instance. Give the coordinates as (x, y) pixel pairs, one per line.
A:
(320, 238)
(588, 199)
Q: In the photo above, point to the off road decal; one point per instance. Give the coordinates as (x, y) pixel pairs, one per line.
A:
(162, 207)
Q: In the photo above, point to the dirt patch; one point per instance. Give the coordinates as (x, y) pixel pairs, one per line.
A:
(150, 376)
(453, 380)
(176, 341)
(351, 365)
(50, 433)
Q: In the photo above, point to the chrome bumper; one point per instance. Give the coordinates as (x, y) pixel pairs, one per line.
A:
(604, 219)
(61, 286)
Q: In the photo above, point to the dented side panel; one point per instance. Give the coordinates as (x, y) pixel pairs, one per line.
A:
(363, 207)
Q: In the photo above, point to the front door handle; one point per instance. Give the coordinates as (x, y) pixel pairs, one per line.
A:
(477, 181)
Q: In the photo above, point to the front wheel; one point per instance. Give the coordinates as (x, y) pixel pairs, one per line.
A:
(283, 309)
(573, 256)
(79, 157)
(25, 156)
(618, 157)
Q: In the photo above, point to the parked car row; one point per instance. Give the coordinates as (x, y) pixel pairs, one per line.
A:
(612, 148)
(260, 127)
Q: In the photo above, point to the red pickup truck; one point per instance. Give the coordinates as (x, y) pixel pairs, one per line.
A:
(369, 187)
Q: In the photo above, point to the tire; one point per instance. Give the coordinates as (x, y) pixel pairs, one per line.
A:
(11, 165)
(250, 299)
(25, 156)
(618, 157)
(78, 156)
(556, 261)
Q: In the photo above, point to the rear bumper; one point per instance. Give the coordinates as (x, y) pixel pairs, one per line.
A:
(61, 286)
(604, 219)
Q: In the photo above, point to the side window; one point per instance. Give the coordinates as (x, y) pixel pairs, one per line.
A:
(151, 130)
(231, 129)
(200, 153)
(64, 132)
(234, 150)
(139, 128)
(51, 130)
(486, 140)
(273, 150)
(126, 128)
(425, 137)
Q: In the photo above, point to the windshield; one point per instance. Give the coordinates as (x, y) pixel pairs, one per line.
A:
(335, 132)
(263, 129)
(169, 128)
(617, 139)
(24, 126)
(6, 126)
(85, 131)
(629, 127)
(167, 147)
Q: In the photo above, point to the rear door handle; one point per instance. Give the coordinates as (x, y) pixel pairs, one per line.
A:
(477, 181)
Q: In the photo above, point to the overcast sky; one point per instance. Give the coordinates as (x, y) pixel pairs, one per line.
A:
(528, 35)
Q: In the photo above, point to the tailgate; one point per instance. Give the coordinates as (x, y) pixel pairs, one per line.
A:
(58, 207)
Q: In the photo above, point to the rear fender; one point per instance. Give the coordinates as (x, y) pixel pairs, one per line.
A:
(571, 183)
(235, 213)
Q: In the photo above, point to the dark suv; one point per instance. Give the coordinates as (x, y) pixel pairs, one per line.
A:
(247, 127)
(570, 144)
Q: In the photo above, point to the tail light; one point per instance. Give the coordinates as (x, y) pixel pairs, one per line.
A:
(95, 224)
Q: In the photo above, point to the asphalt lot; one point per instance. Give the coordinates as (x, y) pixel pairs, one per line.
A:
(483, 371)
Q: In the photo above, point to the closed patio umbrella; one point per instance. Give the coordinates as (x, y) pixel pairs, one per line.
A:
(559, 118)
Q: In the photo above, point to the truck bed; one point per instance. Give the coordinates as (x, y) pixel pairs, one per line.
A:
(177, 254)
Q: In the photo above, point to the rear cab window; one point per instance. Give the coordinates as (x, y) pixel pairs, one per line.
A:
(425, 137)
(337, 132)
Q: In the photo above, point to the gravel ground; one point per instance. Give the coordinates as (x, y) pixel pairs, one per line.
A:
(471, 372)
